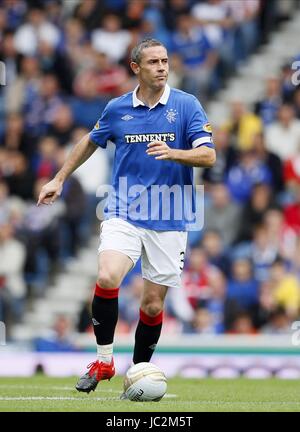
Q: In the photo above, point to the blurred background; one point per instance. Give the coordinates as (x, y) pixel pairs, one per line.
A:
(64, 60)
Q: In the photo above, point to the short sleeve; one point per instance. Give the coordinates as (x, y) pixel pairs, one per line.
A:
(101, 133)
(199, 130)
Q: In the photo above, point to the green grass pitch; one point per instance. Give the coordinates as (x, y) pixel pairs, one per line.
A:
(41, 393)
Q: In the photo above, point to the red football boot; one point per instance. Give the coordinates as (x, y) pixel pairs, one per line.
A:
(98, 371)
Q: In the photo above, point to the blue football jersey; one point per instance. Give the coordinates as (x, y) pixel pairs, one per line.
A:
(150, 193)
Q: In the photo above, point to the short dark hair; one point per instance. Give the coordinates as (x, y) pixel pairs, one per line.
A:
(136, 53)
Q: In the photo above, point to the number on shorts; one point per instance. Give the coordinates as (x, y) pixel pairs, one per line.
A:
(181, 260)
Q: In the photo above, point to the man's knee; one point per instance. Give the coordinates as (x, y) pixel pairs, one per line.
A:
(152, 308)
(108, 279)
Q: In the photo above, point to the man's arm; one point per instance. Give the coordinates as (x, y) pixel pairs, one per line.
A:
(82, 151)
(202, 156)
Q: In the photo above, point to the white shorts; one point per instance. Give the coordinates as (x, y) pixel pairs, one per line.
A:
(162, 252)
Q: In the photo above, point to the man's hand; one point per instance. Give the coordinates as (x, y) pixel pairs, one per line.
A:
(160, 150)
(50, 192)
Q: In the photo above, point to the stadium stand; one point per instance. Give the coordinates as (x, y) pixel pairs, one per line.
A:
(64, 61)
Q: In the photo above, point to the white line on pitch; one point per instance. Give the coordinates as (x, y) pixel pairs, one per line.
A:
(40, 398)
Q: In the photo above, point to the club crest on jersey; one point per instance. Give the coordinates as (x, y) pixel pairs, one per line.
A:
(171, 115)
(207, 128)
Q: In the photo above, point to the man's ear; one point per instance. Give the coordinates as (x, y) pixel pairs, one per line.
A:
(135, 67)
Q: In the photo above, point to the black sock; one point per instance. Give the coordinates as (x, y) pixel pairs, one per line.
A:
(146, 337)
(105, 314)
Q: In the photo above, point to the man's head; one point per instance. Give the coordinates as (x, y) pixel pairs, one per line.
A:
(286, 114)
(149, 62)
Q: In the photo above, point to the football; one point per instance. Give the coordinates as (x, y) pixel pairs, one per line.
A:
(145, 382)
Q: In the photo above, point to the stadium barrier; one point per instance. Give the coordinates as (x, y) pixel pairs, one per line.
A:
(254, 356)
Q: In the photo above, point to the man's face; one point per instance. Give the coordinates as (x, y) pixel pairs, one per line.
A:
(153, 69)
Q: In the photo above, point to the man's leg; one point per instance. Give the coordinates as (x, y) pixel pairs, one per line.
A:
(150, 323)
(113, 266)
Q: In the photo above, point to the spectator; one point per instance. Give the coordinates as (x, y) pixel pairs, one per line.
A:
(215, 16)
(263, 253)
(25, 87)
(72, 230)
(215, 251)
(286, 289)
(16, 138)
(197, 53)
(297, 102)
(62, 124)
(280, 235)
(269, 159)
(202, 322)
(52, 61)
(9, 56)
(267, 304)
(177, 75)
(88, 12)
(242, 286)
(37, 28)
(244, 14)
(288, 87)
(195, 277)
(133, 15)
(108, 77)
(222, 214)
(129, 304)
(111, 39)
(268, 107)
(45, 164)
(217, 303)
(172, 10)
(242, 126)
(15, 11)
(261, 199)
(19, 178)
(242, 325)
(12, 284)
(295, 261)
(59, 339)
(292, 211)
(40, 232)
(291, 172)
(86, 104)
(286, 130)
(247, 172)
(279, 323)
(227, 157)
(76, 46)
(41, 109)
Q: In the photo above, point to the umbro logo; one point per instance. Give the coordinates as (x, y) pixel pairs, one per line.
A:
(152, 347)
(127, 117)
(95, 322)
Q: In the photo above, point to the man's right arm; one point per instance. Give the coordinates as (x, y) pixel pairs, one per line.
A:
(82, 151)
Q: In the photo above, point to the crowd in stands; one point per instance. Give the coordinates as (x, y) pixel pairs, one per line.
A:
(63, 61)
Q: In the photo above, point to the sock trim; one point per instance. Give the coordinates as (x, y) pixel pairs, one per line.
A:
(108, 293)
(150, 320)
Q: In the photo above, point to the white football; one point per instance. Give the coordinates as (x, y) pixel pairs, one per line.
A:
(145, 382)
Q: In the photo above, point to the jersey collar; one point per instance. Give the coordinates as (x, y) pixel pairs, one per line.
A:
(163, 99)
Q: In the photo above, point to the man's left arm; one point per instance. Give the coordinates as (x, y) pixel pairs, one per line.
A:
(202, 156)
